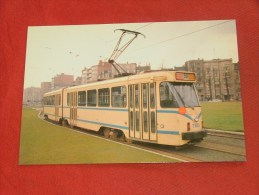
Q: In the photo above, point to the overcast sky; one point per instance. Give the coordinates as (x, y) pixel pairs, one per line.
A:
(52, 50)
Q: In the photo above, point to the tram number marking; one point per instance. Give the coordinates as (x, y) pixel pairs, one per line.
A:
(196, 125)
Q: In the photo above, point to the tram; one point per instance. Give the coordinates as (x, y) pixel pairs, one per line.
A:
(160, 107)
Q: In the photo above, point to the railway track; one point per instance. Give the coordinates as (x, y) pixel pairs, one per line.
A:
(194, 153)
(134, 144)
(232, 135)
(218, 148)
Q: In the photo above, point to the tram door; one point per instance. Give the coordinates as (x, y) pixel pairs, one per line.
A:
(142, 111)
(73, 108)
(134, 111)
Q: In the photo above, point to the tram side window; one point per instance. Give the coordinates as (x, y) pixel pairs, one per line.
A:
(44, 100)
(68, 99)
(91, 97)
(49, 100)
(81, 98)
(119, 96)
(104, 97)
(53, 100)
(167, 99)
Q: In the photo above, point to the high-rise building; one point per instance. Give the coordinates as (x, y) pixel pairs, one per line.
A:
(45, 87)
(77, 81)
(61, 80)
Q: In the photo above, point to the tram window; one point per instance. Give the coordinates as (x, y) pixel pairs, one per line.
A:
(153, 122)
(137, 121)
(152, 95)
(136, 96)
(49, 100)
(104, 97)
(119, 96)
(167, 99)
(52, 98)
(91, 97)
(145, 121)
(68, 99)
(131, 95)
(81, 98)
(145, 95)
(131, 120)
(46, 100)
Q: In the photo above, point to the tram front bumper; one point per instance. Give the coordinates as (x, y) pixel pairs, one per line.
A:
(194, 135)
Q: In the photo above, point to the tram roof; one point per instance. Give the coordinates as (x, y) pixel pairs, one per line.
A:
(164, 75)
(144, 75)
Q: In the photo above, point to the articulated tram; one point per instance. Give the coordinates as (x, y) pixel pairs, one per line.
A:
(159, 107)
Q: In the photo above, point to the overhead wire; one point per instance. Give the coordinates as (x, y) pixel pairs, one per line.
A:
(186, 34)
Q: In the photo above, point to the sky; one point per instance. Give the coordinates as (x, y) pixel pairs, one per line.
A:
(53, 50)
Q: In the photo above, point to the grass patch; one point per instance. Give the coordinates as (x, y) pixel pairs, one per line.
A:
(223, 115)
(44, 143)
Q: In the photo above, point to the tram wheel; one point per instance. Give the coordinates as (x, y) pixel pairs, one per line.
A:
(106, 133)
(64, 123)
(45, 117)
(129, 141)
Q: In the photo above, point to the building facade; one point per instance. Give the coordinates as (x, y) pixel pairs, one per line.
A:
(216, 79)
(61, 80)
(104, 70)
(77, 81)
(31, 95)
(45, 87)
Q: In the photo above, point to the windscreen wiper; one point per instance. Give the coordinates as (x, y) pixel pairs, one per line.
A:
(170, 86)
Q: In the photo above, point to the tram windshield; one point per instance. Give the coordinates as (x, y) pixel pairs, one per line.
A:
(175, 95)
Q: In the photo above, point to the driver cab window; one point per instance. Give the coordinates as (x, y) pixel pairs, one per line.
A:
(167, 99)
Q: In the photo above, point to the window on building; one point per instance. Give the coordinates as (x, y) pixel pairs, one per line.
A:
(104, 97)
(119, 96)
(81, 98)
(91, 97)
